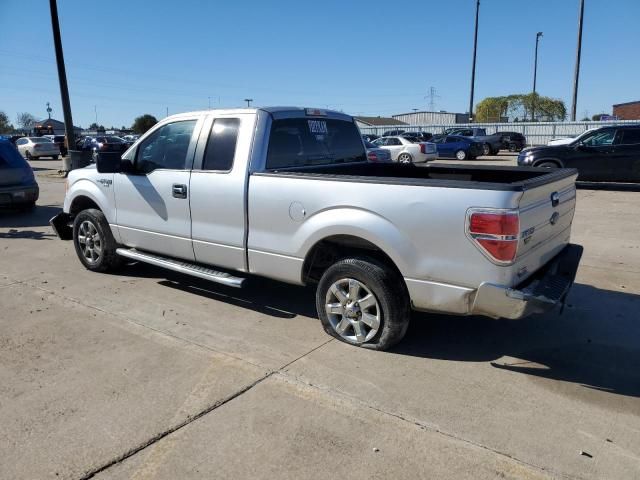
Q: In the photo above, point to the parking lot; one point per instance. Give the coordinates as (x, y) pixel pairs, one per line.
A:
(149, 374)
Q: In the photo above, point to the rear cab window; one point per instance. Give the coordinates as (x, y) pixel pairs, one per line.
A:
(308, 141)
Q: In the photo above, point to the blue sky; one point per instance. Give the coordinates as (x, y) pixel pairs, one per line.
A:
(125, 58)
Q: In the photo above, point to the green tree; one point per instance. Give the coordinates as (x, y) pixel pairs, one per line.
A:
(5, 124)
(25, 120)
(143, 123)
(492, 109)
(522, 106)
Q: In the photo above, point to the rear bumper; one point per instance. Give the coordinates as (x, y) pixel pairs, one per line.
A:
(540, 293)
(19, 195)
(60, 225)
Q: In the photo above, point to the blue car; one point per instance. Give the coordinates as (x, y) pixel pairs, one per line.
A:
(455, 146)
(18, 187)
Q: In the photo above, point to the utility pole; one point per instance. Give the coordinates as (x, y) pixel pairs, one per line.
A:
(576, 75)
(209, 102)
(248, 100)
(535, 74)
(62, 75)
(167, 111)
(95, 109)
(473, 68)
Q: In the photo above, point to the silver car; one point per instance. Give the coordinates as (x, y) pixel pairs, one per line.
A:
(36, 147)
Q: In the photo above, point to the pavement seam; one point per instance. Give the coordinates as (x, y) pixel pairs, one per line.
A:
(296, 380)
(156, 438)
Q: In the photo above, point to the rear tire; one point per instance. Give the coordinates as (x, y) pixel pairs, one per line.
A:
(404, 158)
(461, 155)
(94, 242)
(486, 149)
(27, 155)
(363, 303)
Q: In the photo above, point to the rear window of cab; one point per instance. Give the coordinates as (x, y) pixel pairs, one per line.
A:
(295, 142)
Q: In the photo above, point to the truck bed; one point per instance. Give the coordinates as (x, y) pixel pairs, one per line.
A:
(515, 179)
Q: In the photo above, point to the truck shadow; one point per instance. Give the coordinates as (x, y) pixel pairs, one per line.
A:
(594, 343)
(38, 217)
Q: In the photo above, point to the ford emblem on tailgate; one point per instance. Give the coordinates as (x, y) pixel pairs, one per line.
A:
(554, 218)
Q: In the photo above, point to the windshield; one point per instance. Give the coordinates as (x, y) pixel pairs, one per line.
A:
(114, 140)
(295, 142)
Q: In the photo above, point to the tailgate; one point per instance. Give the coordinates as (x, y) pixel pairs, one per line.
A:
(546, 214)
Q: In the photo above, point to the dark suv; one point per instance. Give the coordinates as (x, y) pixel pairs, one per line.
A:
(512, 141)
(607, 154)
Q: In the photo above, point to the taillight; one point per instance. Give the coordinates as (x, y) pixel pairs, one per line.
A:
(423, 148)
(372, 157)
(495, 232)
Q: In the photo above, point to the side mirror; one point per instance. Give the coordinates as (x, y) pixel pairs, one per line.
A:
(109, 162)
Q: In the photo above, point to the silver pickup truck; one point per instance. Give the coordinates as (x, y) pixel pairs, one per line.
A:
(287, 193)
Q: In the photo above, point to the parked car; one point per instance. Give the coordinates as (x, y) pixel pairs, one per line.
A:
(607, 154)
(377, 155)
(461, 148)
(417, 136)
(37, 147)
(512, 141)
(393, 133)
(102, 144)
(403, 150)
(293, 198)
(60, 141)
(569, 139)
(18, 186)
(369, 137)
(491, 144)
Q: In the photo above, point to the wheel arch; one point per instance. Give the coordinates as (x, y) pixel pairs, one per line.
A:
(86, 194)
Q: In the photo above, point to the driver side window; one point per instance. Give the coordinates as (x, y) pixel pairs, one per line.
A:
(166, 148)
(600, 139)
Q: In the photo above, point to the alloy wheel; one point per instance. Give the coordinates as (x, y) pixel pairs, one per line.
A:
(353, 310)
(90, 242)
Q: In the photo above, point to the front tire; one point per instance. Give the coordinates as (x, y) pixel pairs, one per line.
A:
(404, 158)
(547, 165)
(27, 155)
(363, 303)
(94, 242)
(461, 155)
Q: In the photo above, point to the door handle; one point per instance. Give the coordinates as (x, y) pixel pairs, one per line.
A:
(179, 191)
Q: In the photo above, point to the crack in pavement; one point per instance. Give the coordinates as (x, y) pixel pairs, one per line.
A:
(156, 438)
(295, 380)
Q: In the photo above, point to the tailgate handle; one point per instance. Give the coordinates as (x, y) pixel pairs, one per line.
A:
(555, 199)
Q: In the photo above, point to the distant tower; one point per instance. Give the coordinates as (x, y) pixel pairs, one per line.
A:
(432, 99)
(49, 110)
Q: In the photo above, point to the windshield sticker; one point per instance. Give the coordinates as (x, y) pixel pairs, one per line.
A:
(318, 126)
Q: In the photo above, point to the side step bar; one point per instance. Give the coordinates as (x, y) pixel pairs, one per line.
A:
(182, 267)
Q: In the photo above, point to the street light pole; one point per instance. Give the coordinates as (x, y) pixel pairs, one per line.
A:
(62, 75)
(535, 74)
(473, 67)
(248, 100)
(576, 75)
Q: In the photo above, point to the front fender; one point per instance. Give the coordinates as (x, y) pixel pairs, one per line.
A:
(359, 223)
(84, 187)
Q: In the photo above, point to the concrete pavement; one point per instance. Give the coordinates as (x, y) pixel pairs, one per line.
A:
(149, 374)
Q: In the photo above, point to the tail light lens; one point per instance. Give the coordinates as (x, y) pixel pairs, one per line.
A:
(423, 148)
(372, 157)
(495, 232)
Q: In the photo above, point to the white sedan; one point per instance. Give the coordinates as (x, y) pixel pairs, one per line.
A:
(403, 150)
(35, 147)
